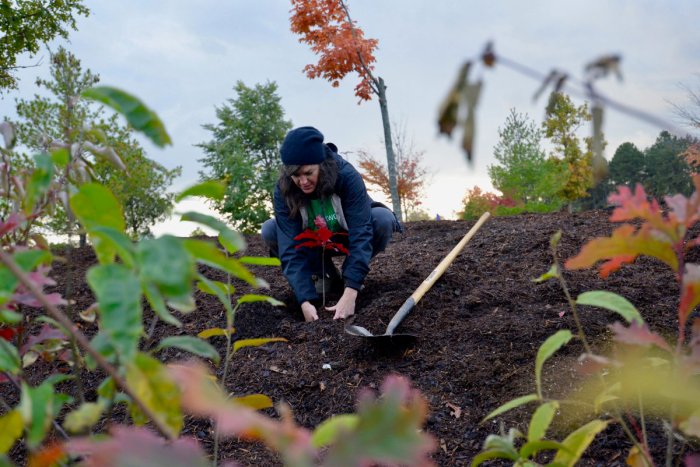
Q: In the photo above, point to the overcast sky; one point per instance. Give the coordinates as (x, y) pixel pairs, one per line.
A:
(183, 58)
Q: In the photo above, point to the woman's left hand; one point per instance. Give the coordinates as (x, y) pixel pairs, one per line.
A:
(346, 305)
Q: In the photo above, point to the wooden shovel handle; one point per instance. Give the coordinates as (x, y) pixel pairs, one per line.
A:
(434, 276)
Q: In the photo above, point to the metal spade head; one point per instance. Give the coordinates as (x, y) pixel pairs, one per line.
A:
(383, 341)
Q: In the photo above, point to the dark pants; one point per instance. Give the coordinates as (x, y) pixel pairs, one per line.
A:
(384, 224)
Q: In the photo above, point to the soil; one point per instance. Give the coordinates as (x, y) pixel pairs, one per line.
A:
(478, 329)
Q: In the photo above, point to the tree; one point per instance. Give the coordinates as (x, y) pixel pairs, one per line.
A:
(690, 112)
(342, 48)
(524, 172)
(244, 151)
(667, 170)
(563, 118)
(28, 24)
(101, 149)
(627, 166)
(411, 176)
(142, 191)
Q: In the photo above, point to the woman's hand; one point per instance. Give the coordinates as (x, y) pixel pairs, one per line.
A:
(346, 305)
(310, 313)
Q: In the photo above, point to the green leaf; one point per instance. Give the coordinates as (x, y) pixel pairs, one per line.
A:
(10, 317)
(11, 426)
(118, 241)
(577, 442)
(60, 157)
(212, 287)
(503, 444)
(254, 401)
(546, 350)
(118, 294)
(231, 240)
(555, 239)
(252, 298)
(37, 410)
(553, 273)
(31, 259)
(256, 342)
(613, 302)
(84, 417)
(39, 181)
(95, 206)
(150, 381)
(329, 430)
(191, 344)
(533, 447)
(211, 189)
(489, 455)
(260, 261)
(140, 117)
(208, 254)
(166, 262)
(541, 420)
(211, 332)
(222, 292)
(9, 358)
(155, 299)
(510, 405)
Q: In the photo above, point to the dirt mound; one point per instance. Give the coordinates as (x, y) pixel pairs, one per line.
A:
(479, 328)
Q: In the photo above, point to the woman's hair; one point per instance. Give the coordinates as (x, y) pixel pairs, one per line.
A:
(292, 194)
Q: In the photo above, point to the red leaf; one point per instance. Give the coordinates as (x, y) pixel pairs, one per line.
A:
(12, 222)
(638, 334)
(7, 333)
(308, 233)
(312, 244)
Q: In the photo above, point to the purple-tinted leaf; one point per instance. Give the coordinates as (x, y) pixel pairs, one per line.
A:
(45, 333)
(637, 334)
(13, 221)
(133, 446)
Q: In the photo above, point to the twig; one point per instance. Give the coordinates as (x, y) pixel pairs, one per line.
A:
(63, 320)
(589, 92)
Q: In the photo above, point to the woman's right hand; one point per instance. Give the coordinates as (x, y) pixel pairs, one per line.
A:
(310, 312)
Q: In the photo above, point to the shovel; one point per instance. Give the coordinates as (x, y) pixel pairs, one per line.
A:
(400, 340)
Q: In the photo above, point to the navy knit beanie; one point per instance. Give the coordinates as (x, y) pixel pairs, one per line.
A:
(303, 146)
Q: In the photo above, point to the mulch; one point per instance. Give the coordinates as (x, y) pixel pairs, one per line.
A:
(478, 329)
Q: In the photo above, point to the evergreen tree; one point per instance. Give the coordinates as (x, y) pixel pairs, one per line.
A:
(627, 166)
(61, 117)
(668, 172)
(524, 173)
(244, 151)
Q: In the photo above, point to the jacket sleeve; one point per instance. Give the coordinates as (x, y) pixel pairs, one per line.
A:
(295, 262)
(358, 214)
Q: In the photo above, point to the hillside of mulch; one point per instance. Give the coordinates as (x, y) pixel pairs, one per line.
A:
(478, 331)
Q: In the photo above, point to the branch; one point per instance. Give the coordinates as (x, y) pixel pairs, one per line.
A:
(63, 320)
(16, 67)
(375, 82)
(589, 92)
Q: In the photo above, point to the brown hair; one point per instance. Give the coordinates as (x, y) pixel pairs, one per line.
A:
(292, 194)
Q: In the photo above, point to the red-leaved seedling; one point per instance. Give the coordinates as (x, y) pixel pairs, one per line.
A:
(321, 238)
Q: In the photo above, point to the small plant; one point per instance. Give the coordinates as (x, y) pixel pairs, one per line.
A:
(321, 238)
(648, 377)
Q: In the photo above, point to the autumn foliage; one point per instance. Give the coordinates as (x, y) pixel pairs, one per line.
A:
(411, 177)
(340, 45)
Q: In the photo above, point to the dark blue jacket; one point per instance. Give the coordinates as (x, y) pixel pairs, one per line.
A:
(356, 204)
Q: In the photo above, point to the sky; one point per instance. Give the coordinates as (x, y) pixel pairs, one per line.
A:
(183, 58)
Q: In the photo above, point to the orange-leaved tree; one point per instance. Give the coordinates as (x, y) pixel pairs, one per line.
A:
(411, 174)
(342, 49)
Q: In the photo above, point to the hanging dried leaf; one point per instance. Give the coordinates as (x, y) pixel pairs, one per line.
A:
(471, 97)
(603, 66)
(449, 109)
(107, 153)
(488, 56)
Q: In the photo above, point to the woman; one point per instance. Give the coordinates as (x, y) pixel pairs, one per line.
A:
(316, 181)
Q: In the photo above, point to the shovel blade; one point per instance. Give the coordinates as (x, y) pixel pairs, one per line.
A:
(357, 331)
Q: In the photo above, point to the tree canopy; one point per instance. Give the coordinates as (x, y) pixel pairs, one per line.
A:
(563, 118)
(101, 148)
(244, 151)
(28, 24)
(412, 174)
(524, 173)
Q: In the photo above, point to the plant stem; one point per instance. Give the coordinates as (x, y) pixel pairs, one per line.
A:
(63, 320)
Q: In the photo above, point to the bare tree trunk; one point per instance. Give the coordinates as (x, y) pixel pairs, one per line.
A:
(390, 159)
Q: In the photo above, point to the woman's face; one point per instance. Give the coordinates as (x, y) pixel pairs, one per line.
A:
(306, 178)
